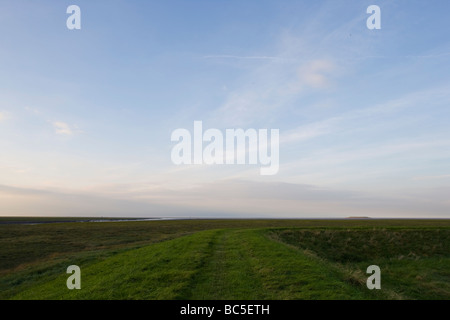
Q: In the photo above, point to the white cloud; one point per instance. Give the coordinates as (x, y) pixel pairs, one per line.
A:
(32, 110)
(314, 74)
(309, 131)
(224, 56)
(272, 87)
(444, 176)
(273, 83)
(227, 198)
(62, 128)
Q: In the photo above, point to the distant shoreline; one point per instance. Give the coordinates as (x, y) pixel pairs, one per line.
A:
(358, 218)
(45, 220)
(10, 220)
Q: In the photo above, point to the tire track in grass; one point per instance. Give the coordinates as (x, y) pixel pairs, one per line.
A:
(158, 271)
(289, 274)
(216, 264)
(247, 264)
(227, 274)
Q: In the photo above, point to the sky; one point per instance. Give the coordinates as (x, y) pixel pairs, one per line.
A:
(86, 116)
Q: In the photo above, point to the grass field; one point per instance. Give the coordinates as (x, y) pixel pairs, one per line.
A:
(226, 259)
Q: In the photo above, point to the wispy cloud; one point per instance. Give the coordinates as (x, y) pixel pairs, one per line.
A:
(309, 131)
(443, 176)
(225, 56)
(267, 89)
(226, 198)
(315, 73)
(270, 88)
(430, 56)
(32, 110)
(360, 120)
(29, 201)
(62, 128)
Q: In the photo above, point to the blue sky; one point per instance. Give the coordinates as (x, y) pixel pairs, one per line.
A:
(86, 115)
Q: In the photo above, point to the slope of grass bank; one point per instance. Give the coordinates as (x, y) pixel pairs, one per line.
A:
(247, 264)
(218, 264)
(415, 263)
(24, 246)
(227, 259)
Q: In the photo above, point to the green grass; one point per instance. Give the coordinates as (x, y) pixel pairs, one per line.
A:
(247, 264)
(158, 271)
(371, 245)
(217, 264)
(415, 263)
(227, 259)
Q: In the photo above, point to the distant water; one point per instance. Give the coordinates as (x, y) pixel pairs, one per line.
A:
(121, 220)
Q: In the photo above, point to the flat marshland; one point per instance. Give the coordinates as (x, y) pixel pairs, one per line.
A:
(225, 259)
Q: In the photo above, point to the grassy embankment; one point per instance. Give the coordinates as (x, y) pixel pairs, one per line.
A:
(227, 259)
